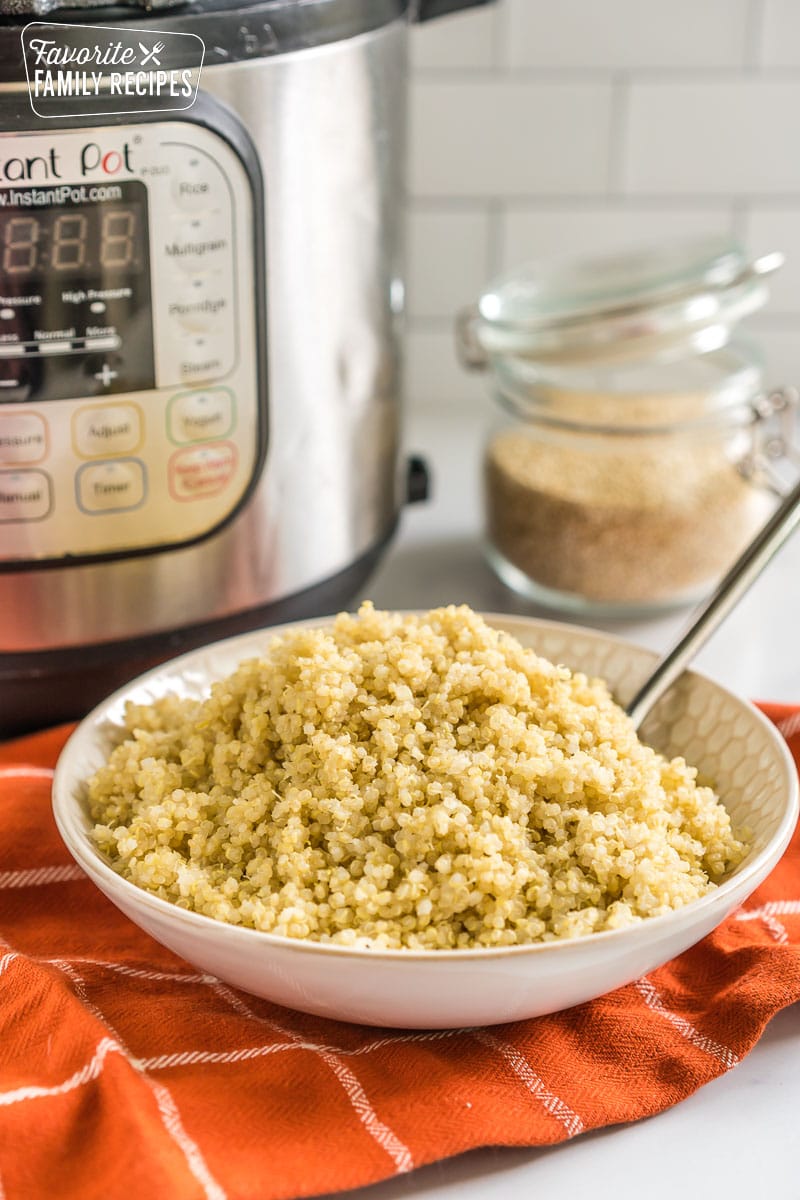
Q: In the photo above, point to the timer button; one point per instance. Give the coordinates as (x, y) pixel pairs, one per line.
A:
(200, 416)
(116, 486)
(25, 496)
(23, 438)
(109, 429)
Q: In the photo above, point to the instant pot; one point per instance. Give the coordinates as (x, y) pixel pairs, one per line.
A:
(199, 365)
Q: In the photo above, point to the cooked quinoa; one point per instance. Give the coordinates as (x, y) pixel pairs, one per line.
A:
(407, 781)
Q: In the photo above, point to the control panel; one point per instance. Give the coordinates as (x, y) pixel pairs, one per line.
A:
(129, 393)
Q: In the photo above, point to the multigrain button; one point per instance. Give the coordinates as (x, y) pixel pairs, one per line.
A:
(195, 474)
(115, 486)
(107, 429)
(187, 252)
(23, 437)
(201, 416)
(25, 496)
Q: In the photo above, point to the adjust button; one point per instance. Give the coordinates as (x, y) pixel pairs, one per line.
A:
(25, 496)
(23, 437)
(195, 474)
(116, 486)
(200, 416)
(106, 429)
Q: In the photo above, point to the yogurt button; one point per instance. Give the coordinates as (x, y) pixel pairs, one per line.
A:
(201, 416)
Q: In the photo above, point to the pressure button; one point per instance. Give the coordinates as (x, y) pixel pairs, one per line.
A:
(23, 437)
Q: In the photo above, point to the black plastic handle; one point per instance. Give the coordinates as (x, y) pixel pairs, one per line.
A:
(426, 10)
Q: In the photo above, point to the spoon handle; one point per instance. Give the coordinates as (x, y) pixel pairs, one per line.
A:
(739, 578)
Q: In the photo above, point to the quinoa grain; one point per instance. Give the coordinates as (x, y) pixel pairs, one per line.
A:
(407, 781)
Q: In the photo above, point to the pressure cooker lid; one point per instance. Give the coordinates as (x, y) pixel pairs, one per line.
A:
(618, 306)
(41, 8)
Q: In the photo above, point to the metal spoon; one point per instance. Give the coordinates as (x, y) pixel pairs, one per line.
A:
(739, 578)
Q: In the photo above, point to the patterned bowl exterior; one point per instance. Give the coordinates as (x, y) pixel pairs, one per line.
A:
(730, 742)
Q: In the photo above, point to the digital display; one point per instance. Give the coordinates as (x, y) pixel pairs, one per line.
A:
(75, 305)
(82, 238)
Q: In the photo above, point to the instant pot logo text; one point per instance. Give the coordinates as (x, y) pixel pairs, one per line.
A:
(82, 70)
(93, 160)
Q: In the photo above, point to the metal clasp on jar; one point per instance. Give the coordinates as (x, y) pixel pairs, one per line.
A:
(774, 458)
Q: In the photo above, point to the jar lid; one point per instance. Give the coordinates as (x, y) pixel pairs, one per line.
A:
(646, 302)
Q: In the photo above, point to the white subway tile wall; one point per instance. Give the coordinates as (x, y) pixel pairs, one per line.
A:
(543, 127)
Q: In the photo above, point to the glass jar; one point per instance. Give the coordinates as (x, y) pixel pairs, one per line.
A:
(629, 468)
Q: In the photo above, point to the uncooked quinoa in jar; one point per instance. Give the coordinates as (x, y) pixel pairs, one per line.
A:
(619, 478)
(625, 524)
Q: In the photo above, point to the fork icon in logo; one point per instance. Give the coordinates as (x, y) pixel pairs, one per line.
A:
(151, 56)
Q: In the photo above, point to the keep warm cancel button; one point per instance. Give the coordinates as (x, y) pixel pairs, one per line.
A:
(204, 471)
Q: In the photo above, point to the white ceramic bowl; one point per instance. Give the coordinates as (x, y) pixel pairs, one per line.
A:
(725, 737)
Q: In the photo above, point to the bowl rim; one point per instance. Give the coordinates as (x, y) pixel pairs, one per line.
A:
(64, 804)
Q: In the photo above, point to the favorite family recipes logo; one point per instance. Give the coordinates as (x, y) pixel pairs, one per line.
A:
(87, 70)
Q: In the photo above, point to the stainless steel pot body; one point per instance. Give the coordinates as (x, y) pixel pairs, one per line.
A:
(327, 124)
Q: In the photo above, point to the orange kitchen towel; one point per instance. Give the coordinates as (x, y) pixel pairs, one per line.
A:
(124, 1072)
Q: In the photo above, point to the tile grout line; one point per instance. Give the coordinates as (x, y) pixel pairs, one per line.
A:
(619, 115)
(754, 32)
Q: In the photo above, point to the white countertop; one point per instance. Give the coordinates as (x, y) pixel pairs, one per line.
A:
(738, 1136)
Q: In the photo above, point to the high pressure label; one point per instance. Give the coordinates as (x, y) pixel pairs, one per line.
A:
(90, 70)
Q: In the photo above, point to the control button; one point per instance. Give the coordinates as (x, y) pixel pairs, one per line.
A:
(14, 379)
(55, 347)
(195, 474)
(200, 416)
(113, 429)
(198, 313)
(188, 253)
(204, 356)
(108, 342)
(111, 486)
(25, 496)
(105, 375)
(23, 438)
(197, 185)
